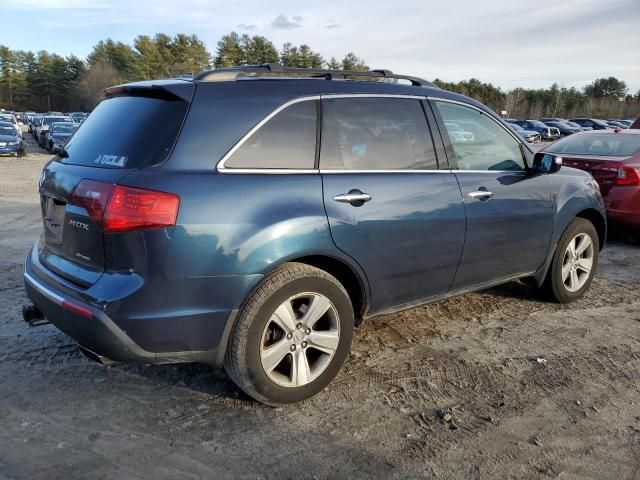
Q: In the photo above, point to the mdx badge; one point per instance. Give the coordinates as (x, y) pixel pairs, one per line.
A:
(77, 224)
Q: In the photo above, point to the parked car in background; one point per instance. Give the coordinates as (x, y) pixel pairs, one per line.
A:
(547, 133)
(594, 123)
(616, 124)
(575, 125)
(26, 117)
(78, 117)
(564, 128)
(458, 134)
(170, 239)
(10, 142)
(9, 118)
(54, 114)
(59, 134)
(625, 123)
(43, 128)
(530, 136)
(613, 158)
(34, 119)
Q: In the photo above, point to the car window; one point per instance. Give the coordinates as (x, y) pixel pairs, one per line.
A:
(376, 134)
(487, 146)
(287, 140)
(63, 127)
(127, 132)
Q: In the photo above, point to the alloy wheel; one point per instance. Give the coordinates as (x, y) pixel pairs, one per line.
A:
(577, 262)
(300, 339)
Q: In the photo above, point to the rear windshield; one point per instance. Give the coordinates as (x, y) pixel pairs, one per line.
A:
(127, 132)
(7, 130)
(602, 144)
(50, 120)
(63, 127)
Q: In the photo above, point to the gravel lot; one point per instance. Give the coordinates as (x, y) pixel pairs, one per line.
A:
(490, 385)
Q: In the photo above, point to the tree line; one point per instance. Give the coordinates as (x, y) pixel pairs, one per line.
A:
(603, 98)
(43, 80)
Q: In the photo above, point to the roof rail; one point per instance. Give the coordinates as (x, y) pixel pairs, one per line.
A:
(274, 70)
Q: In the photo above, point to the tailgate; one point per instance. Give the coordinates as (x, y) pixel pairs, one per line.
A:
(134, 127)
(72, 244)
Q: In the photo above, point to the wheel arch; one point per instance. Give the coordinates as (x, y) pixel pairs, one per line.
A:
(353, 281)
(598, 221)
(594, 216)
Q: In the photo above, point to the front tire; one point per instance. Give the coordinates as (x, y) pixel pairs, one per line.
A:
(574, 262)
(292, 335)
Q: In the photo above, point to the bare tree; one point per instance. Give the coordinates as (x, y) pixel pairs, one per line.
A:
(99, 76)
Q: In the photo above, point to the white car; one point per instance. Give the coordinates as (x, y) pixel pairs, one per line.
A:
(8, 117)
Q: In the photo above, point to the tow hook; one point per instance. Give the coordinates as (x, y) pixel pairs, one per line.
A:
(33, 316)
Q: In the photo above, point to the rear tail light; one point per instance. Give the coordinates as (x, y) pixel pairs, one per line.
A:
(118, 208)
(93, 197)
(133, 208)
(627, 176)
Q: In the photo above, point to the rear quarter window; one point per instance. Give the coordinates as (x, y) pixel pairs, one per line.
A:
(127, 132)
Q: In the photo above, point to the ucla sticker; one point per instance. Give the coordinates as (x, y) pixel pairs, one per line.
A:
(111, 160)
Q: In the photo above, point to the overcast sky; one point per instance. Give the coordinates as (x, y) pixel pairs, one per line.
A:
(506, 42)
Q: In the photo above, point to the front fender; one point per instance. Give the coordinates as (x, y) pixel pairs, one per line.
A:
(574, 194)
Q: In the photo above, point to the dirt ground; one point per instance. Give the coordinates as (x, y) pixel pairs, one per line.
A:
(489, 385)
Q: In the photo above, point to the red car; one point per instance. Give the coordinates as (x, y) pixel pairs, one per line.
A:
(636, 124)
(613, 158)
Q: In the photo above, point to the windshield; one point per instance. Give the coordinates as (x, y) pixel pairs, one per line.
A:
(537, 123)
(7, 130)
(516, 127)
(127, 132)
(63, 127)
(600, 122)
(602, 144)
(7, 118)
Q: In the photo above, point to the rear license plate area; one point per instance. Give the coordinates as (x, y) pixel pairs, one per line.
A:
(53, 215)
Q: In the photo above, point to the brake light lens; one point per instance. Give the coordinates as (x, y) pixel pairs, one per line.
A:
(118, 208)
(627, 176)
(135, 208)
(93, 197)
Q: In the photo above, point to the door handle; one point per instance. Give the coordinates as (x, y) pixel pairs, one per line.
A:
(481, 194)
(354, 197)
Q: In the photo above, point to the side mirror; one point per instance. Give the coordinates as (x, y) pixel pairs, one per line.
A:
(56, 149)
(546, 163)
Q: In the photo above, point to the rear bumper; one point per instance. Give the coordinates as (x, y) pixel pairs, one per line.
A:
(126, 336)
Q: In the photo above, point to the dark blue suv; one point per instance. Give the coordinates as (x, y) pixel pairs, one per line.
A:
(250, 217)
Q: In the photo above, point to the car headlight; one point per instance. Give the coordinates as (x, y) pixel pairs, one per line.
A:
(13, 143)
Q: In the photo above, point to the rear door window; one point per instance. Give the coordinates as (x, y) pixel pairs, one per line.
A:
(286, 141)
(127, 132)
(375, 134)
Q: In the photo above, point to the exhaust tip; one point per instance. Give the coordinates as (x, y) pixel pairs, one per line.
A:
(91, 355)
(33, 316)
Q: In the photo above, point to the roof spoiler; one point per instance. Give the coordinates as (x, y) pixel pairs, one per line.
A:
(167, 89)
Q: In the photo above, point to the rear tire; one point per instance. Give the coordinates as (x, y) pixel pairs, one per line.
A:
(292, 335)
(574, 262)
